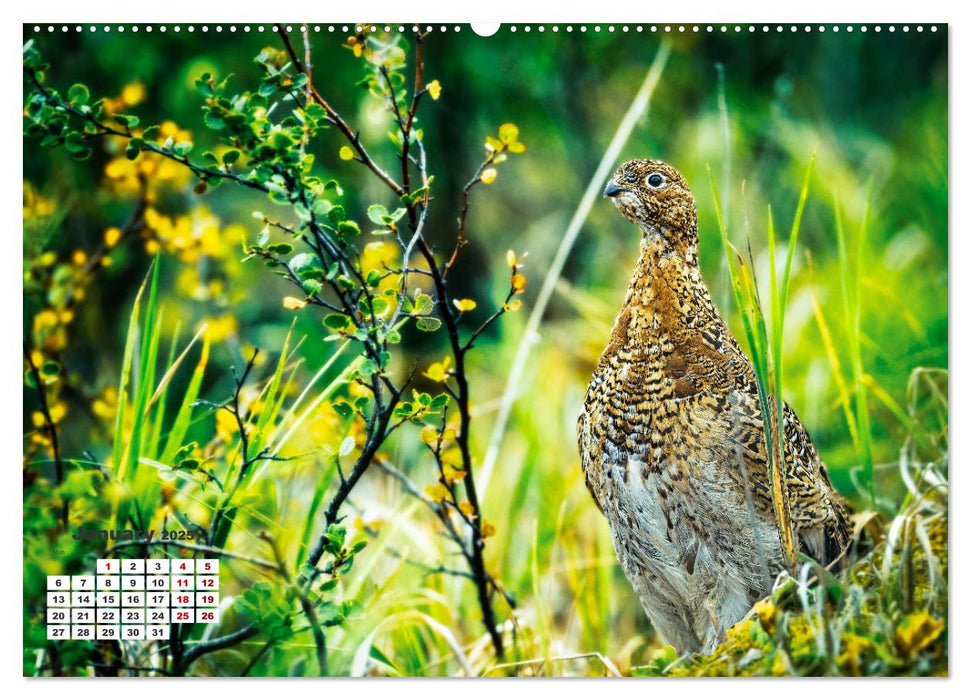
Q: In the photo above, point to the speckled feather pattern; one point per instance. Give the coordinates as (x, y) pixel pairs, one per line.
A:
(671, 437)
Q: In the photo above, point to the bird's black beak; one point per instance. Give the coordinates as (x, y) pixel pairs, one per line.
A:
(613, 189)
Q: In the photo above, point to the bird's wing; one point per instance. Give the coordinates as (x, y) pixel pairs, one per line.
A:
(589, 453)
(819, 515)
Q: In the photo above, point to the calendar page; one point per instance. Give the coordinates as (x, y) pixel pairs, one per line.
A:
(384, 349)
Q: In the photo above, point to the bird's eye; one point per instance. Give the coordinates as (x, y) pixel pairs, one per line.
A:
(655, 180)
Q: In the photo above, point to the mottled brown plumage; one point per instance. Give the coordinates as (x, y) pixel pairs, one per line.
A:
(671, 437)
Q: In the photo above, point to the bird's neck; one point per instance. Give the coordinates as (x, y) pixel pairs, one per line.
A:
(666, 291)
(663, 273)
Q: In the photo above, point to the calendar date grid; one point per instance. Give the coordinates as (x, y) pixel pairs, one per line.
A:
(132, 599)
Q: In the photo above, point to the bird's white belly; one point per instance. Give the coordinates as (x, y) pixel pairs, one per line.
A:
(691, 596)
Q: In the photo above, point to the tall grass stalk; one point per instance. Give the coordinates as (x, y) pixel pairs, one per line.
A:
(851, 284)
(766, 349)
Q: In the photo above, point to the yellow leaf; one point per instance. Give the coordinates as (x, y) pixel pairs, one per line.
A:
(464, 304)
(437, 371)
(511, 258)
(518, 283)
(346, 153)
(488, 175)
(133, 93)
(917, 631)
(451, 456)
(453, 475)
(508, 133)
(516, 147)
(112, 236)
(765, 609)
(493, 145)
(429, 435)
(434, 89)
(488, 529)
(448, 435)
(293, 303)
(437, 492)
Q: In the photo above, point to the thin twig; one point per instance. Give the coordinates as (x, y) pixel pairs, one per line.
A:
(49, 424)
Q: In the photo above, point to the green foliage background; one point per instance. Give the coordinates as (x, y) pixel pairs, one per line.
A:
(872, 107)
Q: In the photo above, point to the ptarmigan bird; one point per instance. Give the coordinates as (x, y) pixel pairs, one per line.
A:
(672, 442)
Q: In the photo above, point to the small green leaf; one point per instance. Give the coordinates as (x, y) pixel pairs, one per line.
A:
(342, 408)
(335, 321)
(428, 324)
(377, 213)
(78, 94)
(127, 120)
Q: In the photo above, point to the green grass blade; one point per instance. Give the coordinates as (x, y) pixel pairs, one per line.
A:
(158, 399)
(183, 416)
(794, 232)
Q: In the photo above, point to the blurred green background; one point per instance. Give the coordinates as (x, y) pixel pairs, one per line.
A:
(872, 107)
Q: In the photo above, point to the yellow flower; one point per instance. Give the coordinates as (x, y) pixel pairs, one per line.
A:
(514, 305)
(434, 89)
(467, 510)
(292, 303)
(346, 153)
(464, 304)
(488, 175)
(79, 257)
(437, 492)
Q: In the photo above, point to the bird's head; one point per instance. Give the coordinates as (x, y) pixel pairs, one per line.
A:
(653, 195)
